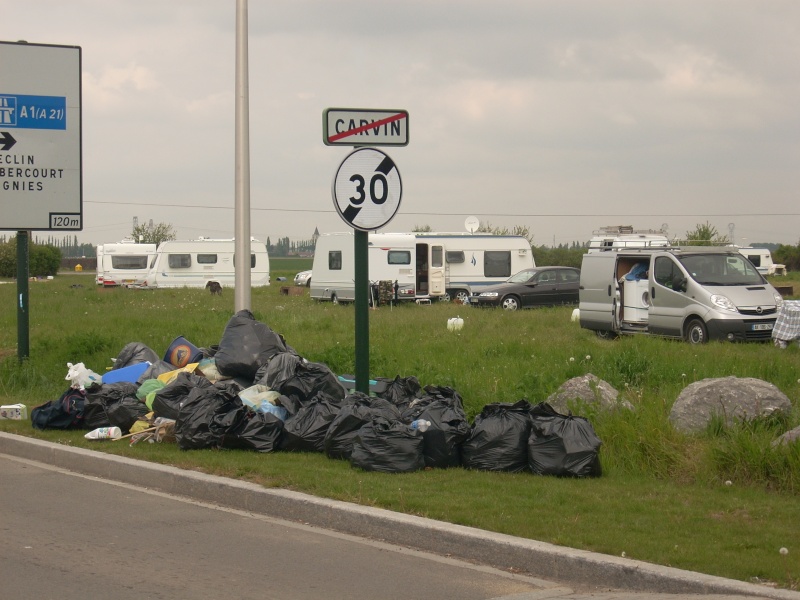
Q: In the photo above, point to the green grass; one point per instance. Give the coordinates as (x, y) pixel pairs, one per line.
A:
(662, 498)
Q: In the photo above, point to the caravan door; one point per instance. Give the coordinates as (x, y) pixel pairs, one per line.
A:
(436, 278)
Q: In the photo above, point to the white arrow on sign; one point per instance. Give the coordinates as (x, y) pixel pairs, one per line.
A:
(367, 189)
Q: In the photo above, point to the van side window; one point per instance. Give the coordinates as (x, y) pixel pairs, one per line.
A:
(399, 257)
(454, 256)
(335, 260)
(497, 263)
(179, 261)
(206, 259)
(665, 271)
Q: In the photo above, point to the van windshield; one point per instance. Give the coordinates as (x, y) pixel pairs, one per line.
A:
(721, 269)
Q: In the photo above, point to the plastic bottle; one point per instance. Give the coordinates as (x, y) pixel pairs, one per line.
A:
(104, 433)
(420, 424)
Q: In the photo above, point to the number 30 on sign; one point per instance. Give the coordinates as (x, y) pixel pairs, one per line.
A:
(367, 189)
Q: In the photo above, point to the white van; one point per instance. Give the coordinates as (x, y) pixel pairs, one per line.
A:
(693, 293)
(423, 265)
(196, 263)
(124, 263)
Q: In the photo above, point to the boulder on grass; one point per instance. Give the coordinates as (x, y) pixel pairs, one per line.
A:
(587, 390)
(790, 437)
(732, 398)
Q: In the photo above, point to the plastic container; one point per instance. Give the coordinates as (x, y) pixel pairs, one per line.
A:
(420, 424)
(130, 373)
(182, 352)
(104, 433)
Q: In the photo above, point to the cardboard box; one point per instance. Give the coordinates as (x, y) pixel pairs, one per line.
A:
(14, 412)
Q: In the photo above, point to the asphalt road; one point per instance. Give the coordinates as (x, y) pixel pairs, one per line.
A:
(67, 536)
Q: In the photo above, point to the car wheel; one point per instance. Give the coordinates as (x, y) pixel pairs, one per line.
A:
(335, 299)
(308, 283)
(510, 303)
(695, 332)
(462, 296)
(605, 334)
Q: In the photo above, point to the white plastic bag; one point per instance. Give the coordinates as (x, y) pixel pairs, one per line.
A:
(81, 377)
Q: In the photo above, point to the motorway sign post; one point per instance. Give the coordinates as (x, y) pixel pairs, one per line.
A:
(40, 151)
(366, 191)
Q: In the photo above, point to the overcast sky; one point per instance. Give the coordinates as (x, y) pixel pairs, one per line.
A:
(563, 116)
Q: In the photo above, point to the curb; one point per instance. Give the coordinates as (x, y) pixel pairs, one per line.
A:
(500, 551)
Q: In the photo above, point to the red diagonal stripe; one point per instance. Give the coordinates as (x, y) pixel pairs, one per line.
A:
(363, 128)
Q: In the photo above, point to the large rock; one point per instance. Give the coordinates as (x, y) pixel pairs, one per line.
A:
(790, 437)
(589, 390)
(729, 397)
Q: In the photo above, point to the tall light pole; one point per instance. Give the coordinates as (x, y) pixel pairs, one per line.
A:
(241, 299)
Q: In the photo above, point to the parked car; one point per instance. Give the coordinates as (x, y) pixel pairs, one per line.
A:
(303, 278)
(542, 286)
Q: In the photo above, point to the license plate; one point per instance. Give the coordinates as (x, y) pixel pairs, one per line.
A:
(762, 327)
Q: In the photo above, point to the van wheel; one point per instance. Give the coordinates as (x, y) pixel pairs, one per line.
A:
(510, 303)
(695, 332)
(335, 299)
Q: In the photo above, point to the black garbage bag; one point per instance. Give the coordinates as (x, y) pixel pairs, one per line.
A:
(64, 413)
(400, 391)
(449, 429)
(101, 397)
(562, 444)
(293, 376)
(499, 438)
(167, 401)
(135, 353)
(305, 431)
(159, 367)
(204, 417)
(357, 410)
(387, 446)
(126, 412)
(248, 430)
(247, 344)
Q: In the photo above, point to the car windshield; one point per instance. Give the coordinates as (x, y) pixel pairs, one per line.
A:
(521, 277)
(721, 269)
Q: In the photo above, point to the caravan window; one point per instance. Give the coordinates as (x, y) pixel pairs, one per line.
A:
(399, 257)
(335, 260)
(497, 263)
(252, 260)
(179, 261)
(436, 256)
(206, 259)
(129, 262)
(455, 256)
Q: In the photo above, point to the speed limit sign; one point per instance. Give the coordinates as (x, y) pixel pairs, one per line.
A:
(367, 189)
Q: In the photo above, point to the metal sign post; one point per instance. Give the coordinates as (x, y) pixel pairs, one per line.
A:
(366, 193)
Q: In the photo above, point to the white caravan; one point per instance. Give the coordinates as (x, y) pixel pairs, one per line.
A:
(617, 237)
(762, 261)
(423, 265)
(123, 263)
(196, 263)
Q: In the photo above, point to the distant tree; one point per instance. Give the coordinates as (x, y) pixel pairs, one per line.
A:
(788, 255)
(561, 256)
(521, 230)
(43, 259)
(422, 229)
(155, 234)
(705, 234)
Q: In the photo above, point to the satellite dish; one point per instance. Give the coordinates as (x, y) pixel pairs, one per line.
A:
(472, 224)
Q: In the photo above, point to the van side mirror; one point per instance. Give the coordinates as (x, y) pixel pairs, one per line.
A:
(679, 283)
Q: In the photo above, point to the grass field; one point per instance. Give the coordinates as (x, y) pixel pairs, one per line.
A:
(662, 498)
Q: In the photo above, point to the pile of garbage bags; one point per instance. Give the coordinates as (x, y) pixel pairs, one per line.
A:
(253, 391)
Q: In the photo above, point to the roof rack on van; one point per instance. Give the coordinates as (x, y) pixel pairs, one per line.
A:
(626, 229)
